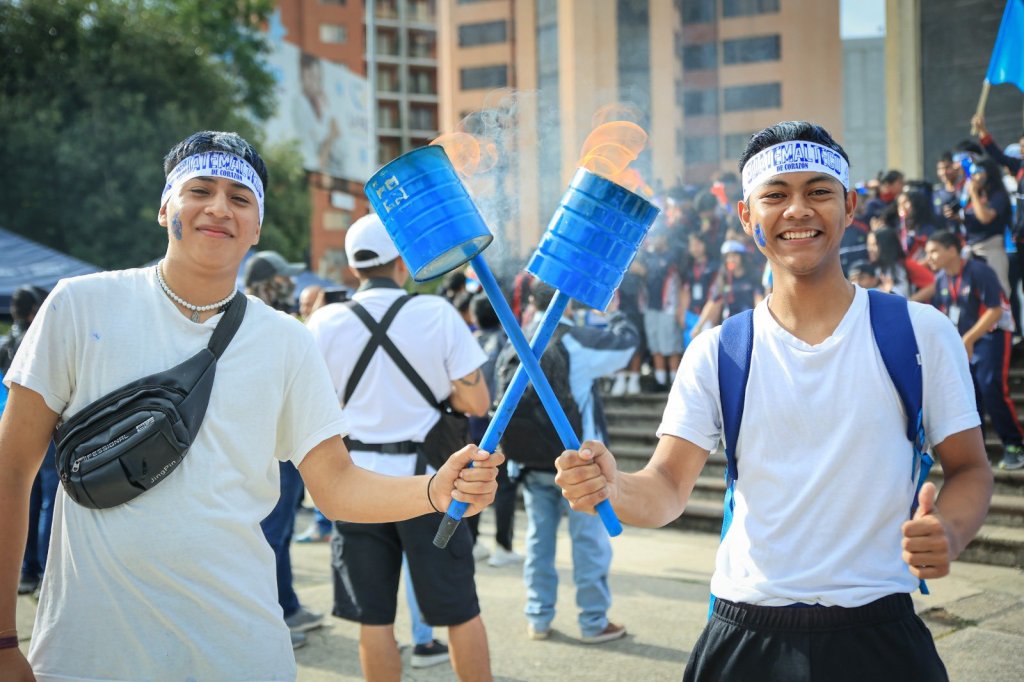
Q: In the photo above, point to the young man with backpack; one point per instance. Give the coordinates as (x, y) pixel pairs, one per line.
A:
(575, 358)
(814, 574)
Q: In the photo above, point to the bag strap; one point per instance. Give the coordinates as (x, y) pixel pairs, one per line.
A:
(380, 339)
(228, 325)
(735, 347)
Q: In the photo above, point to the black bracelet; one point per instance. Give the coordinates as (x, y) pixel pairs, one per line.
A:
(9, 642)
(428, 494)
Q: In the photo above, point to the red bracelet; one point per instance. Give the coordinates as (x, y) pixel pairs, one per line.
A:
(9, 642)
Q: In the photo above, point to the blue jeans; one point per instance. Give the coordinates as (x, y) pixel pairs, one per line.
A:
(591, 557)
(278, 528)
(40, 516)
(421, 632)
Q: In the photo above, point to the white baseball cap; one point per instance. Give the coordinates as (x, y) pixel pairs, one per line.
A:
(368, 234)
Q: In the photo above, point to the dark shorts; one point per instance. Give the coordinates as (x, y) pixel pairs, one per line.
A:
(880, 641)
(367, 562)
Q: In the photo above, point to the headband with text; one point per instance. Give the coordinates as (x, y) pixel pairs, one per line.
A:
(215, 165)
(793, 157)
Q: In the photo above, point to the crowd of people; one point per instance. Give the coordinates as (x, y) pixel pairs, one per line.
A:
(317, 421)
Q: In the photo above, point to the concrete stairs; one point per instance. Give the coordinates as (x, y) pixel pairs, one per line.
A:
(633, 420)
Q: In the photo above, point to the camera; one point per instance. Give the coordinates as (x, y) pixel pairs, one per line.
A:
(335, 295)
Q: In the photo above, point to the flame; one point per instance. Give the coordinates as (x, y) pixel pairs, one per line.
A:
(463, 151)
(611, 147)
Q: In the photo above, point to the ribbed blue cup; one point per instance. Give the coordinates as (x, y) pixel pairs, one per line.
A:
(428, 212)
(592, 239)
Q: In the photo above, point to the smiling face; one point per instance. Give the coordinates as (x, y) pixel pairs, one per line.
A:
(803, 216)
(212, 222)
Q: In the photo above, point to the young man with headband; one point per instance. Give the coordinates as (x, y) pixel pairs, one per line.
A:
(814, 574)
(179, 582)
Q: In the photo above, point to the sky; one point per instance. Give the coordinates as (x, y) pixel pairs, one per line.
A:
(861, 18)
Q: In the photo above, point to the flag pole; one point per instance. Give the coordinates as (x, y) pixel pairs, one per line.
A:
(980, 111)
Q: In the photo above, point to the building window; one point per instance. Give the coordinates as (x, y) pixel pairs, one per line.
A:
(483, 77)
(745, 8)
(746, 97)
(700, 102)
(700, 149)
(703, 56)
(747, 50)
(736, 144)
(484, 33)
(697, 11)
(333, 2)
(333, 33)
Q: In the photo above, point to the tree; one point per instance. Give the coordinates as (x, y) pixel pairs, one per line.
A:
(92, 95)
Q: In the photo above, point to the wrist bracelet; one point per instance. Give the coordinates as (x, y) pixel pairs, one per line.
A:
(9, 642)
(428, 494)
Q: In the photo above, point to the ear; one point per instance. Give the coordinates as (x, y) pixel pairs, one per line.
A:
(161, 216)
(851, 205)
(743, 213)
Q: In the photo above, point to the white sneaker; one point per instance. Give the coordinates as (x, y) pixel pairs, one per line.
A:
(503, 557)
(619, 387)
(633, 384)
(480, 552)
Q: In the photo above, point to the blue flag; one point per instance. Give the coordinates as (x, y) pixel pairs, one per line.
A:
(1007, 63)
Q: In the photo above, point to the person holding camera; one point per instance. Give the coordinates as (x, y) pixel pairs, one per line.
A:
(177, 580)
(395, 359)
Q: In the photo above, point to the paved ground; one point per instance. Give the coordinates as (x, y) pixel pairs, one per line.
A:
(659, 584)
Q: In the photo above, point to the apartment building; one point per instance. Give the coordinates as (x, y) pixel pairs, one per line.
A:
(376, 61)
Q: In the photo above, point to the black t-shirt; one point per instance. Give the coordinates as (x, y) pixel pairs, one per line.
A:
(660, 266)
(737, 292)
(700, 279)
(978, 231)
(965, 297)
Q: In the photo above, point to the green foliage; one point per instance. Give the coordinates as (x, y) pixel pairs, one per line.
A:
(92, 95)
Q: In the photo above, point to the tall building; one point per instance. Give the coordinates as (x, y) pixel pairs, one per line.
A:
(864, 106)
(357, 86)
(698, 75)
(937, 54)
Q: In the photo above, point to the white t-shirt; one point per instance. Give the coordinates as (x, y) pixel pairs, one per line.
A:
(823, 458)
(385, 407)
(179, 583)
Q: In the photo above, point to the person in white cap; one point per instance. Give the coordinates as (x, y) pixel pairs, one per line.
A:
(813, 577)
(390, 420)
(178, 583)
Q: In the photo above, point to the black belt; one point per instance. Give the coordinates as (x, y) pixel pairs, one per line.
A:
(405, 447)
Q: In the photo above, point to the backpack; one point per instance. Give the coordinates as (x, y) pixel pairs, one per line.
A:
(894, 336)
(530, 437)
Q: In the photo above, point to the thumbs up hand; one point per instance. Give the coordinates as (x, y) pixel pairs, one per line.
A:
(926, 539)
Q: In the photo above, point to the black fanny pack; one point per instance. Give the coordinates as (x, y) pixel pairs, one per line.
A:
(127, 441)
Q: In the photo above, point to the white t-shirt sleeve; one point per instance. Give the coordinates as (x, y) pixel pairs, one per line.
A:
(949, 402)
(45, 362)
(310, 413)
(464, 352)
(693, 411)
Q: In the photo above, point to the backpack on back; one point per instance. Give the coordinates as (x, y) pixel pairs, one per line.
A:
(530, 437)
(894, 337)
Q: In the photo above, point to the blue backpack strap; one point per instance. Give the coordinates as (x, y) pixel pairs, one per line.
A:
(735, 346)
(894, 336)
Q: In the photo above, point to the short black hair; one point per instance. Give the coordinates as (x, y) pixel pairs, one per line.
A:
(374, 271)
(215, 141)
(541, 294)
(946, 157)
(946, 238)
(25, 301)
(788, 131)
(483, 312)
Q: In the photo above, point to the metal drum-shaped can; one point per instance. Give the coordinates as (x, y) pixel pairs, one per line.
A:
(592, 239)
(427, 212)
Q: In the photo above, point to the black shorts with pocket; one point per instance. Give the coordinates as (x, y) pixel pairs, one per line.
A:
(880, 641)
(366, 559)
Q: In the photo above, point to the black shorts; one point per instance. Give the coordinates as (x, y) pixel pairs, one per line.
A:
(367, 562)
(880, 641)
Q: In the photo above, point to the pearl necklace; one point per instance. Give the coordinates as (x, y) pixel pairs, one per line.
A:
(196, 309)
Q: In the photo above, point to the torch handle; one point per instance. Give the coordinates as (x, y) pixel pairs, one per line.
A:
(528, 357)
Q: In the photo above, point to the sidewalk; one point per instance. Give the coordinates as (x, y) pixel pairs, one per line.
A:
(659, 585)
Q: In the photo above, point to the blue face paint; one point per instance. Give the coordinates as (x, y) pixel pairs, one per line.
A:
(758, 236)
(176, 226)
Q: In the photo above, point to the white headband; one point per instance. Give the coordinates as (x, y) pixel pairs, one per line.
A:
(215, 165)
(794, 157)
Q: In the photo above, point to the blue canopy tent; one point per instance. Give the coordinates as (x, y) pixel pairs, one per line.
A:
(23, 261)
